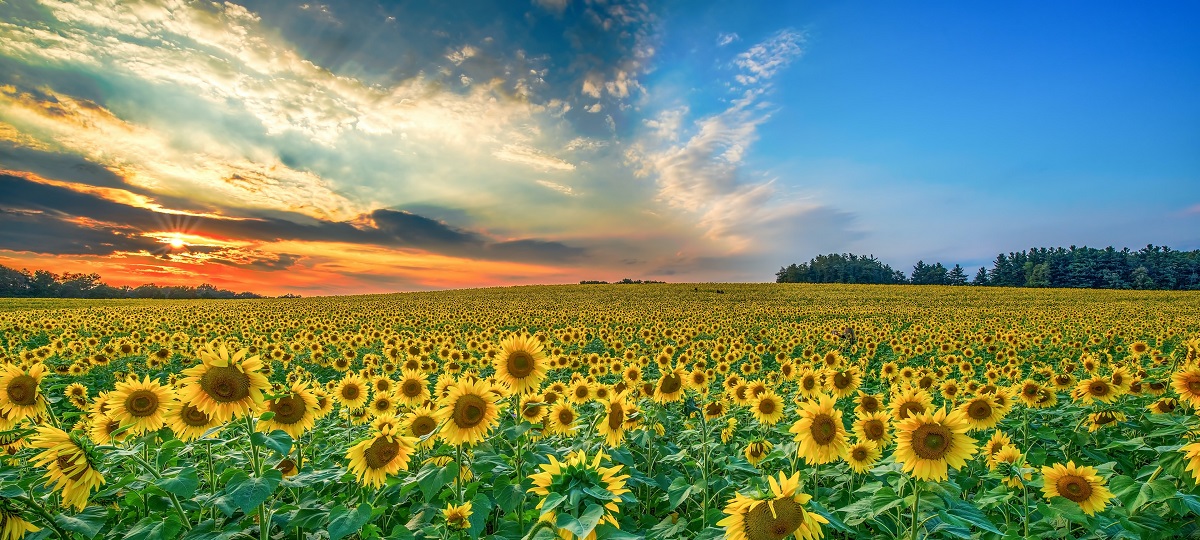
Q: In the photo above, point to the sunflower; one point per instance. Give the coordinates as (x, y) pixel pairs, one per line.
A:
(1101, 419)
(224, 386)
(12, 524)
(863, 455)
(1080, 485)
(468, 411)
(103, 430)
(910, 401)
(670, 387)
(457, 517)
(928, 443)
(842, 382)
(1009, 462)
(384, 403)
(139, 405)
(561, 420)
(820, 432)
(295, 412)
(533, 408)
(756, 451)
(521, 363)
(874, 427)
(383, 454)
(1191, 453)
(352, 391)
(1164, 406)
(413, 388)
(20, 396)
(187, 422)
(421, 423)
(868, 403)
(994, 445)
(581, 392)
(981, 412)
(773, 517)
(768, 409)
(603, 486)
(1187, 384)
(68, 466)
(809, 383)
(1095, 389)
(612, 426)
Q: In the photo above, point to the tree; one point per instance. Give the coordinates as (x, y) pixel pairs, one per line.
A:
(957, 276)
(981, 277)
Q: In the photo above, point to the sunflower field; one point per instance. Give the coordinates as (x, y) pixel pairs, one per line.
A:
(748, 412)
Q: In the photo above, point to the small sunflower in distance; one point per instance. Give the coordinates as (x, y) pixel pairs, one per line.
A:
(139, 405)
(772, 517)
(225, 386)
(295, 412)
(928, 443)
(383, 454)
(20, 396)
(820, 432)
(521, 363)
(68, 466)
(468, 411)
(1080, 485)
(981, 412)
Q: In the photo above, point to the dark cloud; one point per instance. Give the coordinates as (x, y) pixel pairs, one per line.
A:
(30, 205)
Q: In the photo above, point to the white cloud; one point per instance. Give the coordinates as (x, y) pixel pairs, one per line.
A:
(556, 6)
(462, 54)
(763, 60)
(565, 190)
(594, 108)
(724, 39)
(525, 155)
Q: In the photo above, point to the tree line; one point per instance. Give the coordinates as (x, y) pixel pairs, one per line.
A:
(1152, 267)
(45, 284)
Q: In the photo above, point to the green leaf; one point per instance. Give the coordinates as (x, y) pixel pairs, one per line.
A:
(1156, 491)
(481, 508)
(432, 478)
(207, 530)
(678, 491)
(247, 493)
(344, 522)
(180, 481)
(279, 441)
(11, 491)
(86, 523)
(552, 502)
(154, 528)
(584, 525)
(967, 512)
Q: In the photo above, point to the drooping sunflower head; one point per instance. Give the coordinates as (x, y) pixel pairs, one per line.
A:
(1080, 485)
(756, 451)
(70, 467)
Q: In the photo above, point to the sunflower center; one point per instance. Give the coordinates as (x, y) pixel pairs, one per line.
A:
(383, 404)
(823, 429)
(423, 425)
(286, 466)
(979, 410)
(351, 391)
(566, 417)
(869, 403)
(22, 390)
(1075, 488)
(931, 441)
(773, 520)
(288, 410)
(225, 384)
(809, 383)
(582, 391)
(766, 406)
(671, 383)
(381, 452)
(141, 403)
(840, 380)
(411, 388)
(1193, 385)
(532, 411)
(616, 416)
(469, 411)
(520, 364)
(193, 417)
(873, 429)
(859, 453)
(1098, 388)
(911, 407)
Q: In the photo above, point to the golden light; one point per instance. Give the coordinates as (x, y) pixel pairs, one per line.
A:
(177, 243)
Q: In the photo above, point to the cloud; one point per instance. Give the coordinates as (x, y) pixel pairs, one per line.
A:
(556, 6)
(531, 156)
(565, 190)
(724, 39)
(765, 59)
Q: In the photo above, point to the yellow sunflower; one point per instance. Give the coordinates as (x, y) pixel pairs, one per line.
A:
(521, 363)
(670, 387)
(773, 517)
(187, 422)
(1096, 389)
(929, 443)
(863, 455)
(295, 412)
(1015, 475)
(612, 426)
(458, 516)
(421, 423)
(413, 388)
(533, 408)
(468, 412)
(352, 391)
(139, 405)
(68, 466)
(224, 386)
(756, 451)
(1080, 485)
(561, 420)
(1187, 384)
(909, 401)
(605, 485)
(1191, 453)
(981, 412)
(20, 395)
(103, 430)
(13, 525)
(820, 432)
(383, 454)
(768, 409)
(875, 427)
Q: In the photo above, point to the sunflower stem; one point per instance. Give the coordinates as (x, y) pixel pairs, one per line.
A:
(174, 500)
(912, 535)
(264, 527)
(37, 509)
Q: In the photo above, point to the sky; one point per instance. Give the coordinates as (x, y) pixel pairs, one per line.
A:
(354, 146)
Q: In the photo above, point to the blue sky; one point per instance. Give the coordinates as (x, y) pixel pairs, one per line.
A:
(334, 147)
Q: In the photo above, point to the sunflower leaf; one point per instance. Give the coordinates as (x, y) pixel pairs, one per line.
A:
(552, 501)
(343, 522)
(86, 523)
(247, 493)
(183, 482)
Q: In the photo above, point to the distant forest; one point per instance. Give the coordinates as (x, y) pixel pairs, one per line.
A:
(1152, 267)
(45, 284)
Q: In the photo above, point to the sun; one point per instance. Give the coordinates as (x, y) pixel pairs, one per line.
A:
(177, 242)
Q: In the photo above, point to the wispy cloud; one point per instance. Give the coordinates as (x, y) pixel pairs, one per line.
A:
(724, 39)
(531, 156)
(565, 190)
